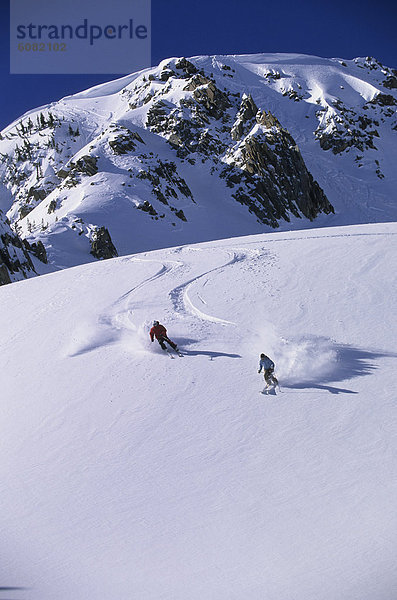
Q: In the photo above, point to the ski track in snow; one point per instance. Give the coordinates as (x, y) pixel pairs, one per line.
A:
(127, 319)
(129, 475)
(124, 315)
(181, 299)
(119, 316)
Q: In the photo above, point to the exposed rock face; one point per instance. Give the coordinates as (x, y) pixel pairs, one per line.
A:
(186, 66)
(276, 179)
(37, 194)
(86, 165)
(246, 113)
(37, 249)
(15, 262)
(124, 140)
(101, 244)
(267, 165)
(384, 100)
(4, 274)
(211, 98)
(185, 126)
(391, 82)
(341, 129)
(167, 186)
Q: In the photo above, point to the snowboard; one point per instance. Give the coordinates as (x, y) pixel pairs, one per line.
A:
(269, 391)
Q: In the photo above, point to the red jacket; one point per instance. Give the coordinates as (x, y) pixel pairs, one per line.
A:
(157, 331)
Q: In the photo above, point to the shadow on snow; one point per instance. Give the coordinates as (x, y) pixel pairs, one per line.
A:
(183, 342)
(351, 362)
(10, 589)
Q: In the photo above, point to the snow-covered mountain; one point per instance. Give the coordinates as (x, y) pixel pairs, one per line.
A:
(127, 474)
(202, 149)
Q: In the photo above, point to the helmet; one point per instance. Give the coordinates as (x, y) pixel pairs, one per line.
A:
(262, 355)
(155, 323)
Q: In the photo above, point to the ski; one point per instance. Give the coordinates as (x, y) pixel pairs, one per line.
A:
(176, 350)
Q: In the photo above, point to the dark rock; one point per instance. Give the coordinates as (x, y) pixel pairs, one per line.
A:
(52, 206)
(272, 176)
(166, 74)
(37, 249)
(273, 75)
(293, 94)
(390, 82)
(245, 115)
(86, 165)
(180, 215)
(267, 119)
(37, 194)
(147, 207)
(186, 66)
(195, 82)
(62, 173)
(15, 262)
(214, 101)
(166, 183)
(4, 274)
(346, 130)
(125, 141)
(25, 210)
(101, 244)
(384, 100)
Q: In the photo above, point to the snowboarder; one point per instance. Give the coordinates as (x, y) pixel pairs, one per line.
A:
(268, 369)
(159, 332)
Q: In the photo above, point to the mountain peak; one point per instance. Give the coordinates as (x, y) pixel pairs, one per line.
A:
(202, 148)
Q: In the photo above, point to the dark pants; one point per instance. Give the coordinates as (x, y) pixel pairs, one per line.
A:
(269, 377)
(161, 340)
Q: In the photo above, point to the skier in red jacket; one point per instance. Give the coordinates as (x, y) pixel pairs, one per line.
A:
(159, 332)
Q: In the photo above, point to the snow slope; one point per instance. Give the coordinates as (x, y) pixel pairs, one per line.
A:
(125, 474)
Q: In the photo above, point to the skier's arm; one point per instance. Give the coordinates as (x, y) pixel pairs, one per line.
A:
(260, 366)
(151, 335)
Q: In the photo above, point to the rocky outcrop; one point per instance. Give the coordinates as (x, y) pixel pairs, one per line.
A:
(185, 126)
(166, 186)
(266, 165)
(15, 262)
(246, 113)
(186, 66)
(391, 81)
(4, 274)
(384, 100)
(101, 244)
(37, 249)
(86, 165)
(211, 98)
(37, 194)
(341, 129)
(271, 175)
(123, 140)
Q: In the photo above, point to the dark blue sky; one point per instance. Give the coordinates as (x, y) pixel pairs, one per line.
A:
(342, 28)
